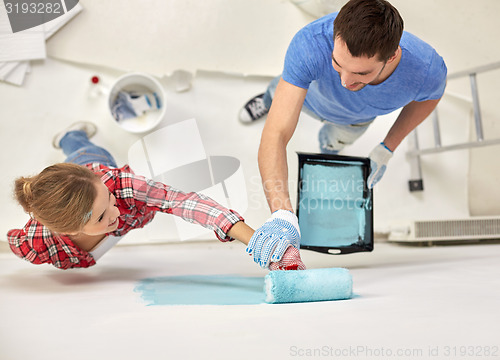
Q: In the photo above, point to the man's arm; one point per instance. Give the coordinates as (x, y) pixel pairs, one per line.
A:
(409, 118)
(278, 130)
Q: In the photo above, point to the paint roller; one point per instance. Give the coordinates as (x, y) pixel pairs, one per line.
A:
(287, 285)
(290, 286)
(284, 284)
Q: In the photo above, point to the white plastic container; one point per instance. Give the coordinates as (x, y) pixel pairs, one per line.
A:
(139, 82)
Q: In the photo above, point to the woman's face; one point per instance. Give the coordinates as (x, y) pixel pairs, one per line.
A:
(104, 217)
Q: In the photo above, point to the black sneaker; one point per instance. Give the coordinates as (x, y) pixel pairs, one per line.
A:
(253, 110)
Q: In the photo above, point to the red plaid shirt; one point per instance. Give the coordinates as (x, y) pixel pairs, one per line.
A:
(138, 199)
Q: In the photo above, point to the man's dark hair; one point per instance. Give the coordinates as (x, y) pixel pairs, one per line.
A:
(369, 28)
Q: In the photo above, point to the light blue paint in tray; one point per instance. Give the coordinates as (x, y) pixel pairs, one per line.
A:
(334, 205)
(202, 290)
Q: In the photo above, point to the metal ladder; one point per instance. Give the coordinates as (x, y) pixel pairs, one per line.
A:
(414, 154)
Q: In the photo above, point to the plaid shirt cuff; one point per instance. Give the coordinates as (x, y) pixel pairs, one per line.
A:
(226, 222)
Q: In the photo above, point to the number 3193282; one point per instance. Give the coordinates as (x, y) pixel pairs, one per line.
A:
(461, 351)
(34, 8)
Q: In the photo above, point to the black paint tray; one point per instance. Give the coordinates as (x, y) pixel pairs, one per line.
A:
(334, 204)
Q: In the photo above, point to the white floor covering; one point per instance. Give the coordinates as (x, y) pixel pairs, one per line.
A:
(411, 302)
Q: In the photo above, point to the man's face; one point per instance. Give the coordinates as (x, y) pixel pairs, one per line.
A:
(355, 72)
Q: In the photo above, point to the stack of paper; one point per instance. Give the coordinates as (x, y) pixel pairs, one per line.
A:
(18, 48)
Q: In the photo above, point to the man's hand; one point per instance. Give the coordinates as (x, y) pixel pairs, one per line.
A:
(379, 157)
(290, 261)
(271, 240)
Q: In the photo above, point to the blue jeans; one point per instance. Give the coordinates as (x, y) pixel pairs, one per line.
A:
(79, 150)
(332, 136)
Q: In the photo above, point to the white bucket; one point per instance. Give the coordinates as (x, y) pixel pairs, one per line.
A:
(139, 82)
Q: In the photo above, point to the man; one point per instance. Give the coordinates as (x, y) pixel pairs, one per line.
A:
(343, 69)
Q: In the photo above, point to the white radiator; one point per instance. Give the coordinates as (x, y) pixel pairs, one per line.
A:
(476, 228)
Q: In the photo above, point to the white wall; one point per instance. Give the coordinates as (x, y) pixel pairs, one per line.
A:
(466, 34)
(237, 36)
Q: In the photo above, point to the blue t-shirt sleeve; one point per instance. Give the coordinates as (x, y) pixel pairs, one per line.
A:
(300, 60)
(435, 82)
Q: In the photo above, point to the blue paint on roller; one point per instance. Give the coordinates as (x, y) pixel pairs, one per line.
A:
(202, 290)
(333, 206)
(308, 285)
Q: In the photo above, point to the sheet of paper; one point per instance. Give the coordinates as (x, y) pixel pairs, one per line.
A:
(6, 68)
(29, 44)
(16, 76)
(25, 45)
(21, 46)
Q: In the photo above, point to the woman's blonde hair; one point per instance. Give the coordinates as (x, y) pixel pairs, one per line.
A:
(61, 197)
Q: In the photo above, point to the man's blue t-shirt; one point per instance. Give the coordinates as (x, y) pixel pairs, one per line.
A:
(419, 76)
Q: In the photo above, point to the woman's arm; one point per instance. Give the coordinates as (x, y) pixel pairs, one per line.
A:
(241, 231)
(139, 198)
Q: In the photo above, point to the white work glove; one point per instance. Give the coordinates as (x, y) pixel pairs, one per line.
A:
(271, 240)
(379, 157)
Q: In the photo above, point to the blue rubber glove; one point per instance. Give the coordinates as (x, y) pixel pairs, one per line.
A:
(270, 241)
(379, 157)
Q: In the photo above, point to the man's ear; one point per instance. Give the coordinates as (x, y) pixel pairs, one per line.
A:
(394, 56)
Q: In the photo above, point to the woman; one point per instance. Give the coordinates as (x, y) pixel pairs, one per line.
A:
(81, 208)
